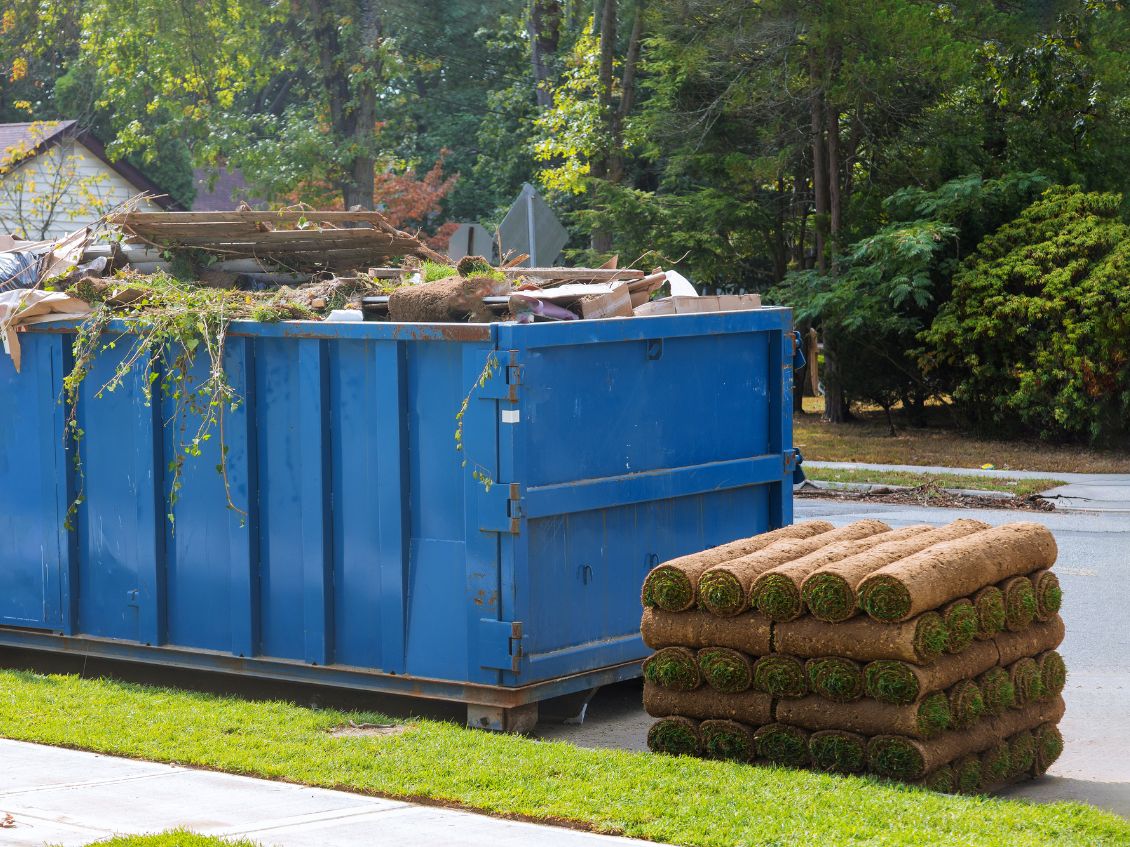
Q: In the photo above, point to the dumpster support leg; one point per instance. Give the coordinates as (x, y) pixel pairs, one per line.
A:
(517, 719)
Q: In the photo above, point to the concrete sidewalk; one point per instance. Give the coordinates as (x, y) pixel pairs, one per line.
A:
(1084, 492)
(72, 798)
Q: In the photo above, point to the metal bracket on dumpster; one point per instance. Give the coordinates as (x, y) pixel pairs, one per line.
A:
(500, 508)
(793, 461)
(504, 384)
(500, 644)
(798, 350)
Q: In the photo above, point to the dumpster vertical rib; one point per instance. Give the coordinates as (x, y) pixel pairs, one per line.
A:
(242, 469)
(149, 547)
(778, 380)
(55, 543)
(391, 424)
(317, 564)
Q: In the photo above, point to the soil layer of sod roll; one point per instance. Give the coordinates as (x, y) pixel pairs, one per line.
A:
(1053, 673)
(672, 585)
(953, 569)
(835, 678)
(1049, 746)
(1019, 603)
(781, 676)
(673, 667)
(829, 592)
(997, 691)
(727, 740)
(776, 593)
(1036, 639)
(989, 605)
(1049, 595)
(960, 618)
(967, 704)
(918, 641)
(749, 707)
(676, 736)
(783, 745)
(725, 670)
(750, 633)
(836, 751)
(901, 682)
(925, 719)
(724, 589)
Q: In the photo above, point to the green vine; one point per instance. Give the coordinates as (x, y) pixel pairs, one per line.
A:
(478, 473)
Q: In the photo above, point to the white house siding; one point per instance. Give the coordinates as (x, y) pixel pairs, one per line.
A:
(83, 185)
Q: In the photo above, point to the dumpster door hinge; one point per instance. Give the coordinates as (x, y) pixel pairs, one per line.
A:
(793, 462)
(500, 644)
(500, 508)
(504, 379)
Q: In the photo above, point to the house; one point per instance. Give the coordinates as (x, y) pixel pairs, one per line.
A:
(56, 178)
(223, 190)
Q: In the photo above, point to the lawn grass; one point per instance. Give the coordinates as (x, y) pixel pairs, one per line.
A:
(172, 838)
(1018, 487)
(677, 800)
(868, 439)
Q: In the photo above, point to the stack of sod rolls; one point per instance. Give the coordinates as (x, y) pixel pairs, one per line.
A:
(919, 654)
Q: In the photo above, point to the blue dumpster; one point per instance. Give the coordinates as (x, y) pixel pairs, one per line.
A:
(369, 555)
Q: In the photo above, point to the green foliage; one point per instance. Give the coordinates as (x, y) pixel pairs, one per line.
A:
(1036, 336)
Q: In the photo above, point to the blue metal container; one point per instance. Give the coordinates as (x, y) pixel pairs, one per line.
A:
(370, 556)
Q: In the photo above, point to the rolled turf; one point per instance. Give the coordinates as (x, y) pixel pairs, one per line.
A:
(989, 605)
(749, 707)
(960, 618)
(1049, 746)
(967, 704)
(727, 740)
(676, 736)
(1019, 603)
(940, 780)
(776, 593)
(918, 641)
(1031, 642)
(1053, 673)
(836, 751)
(1025, 676)
(997, 691)
(835, 678)
(830, 591)
(725, 670)
(953, 569)
(1021, 753)
(1049, 595)
(901, 682)
(925, 719)
(724, 589)
(995, 763)
(750, 633)
(672, 585)
(967, 774)
(673, 667)
(781, 676)
(782, 745)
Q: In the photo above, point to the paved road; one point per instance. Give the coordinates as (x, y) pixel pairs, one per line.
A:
(1094, 569)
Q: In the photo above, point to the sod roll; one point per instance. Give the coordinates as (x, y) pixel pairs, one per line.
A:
(925, 719)
(780, 675)
(782, 745)
(997, 691)
(960, 618)
(836, 751)
(1049, 595)
(676, 736)
(724, 589)
(1034, 640)
(830, 591)
(1049, 746)
(1021, 753)
(940, 780)
(749, 707)
(673, 667)
(918, 641)
(673, 585)
(967, 704)
(953, 569)
(967, 773)
(901, 682)
(1019, 603)
(835, 678)
(776, 593)
(727, 740)
(995, 763)
(1026, 682)
(1053, 673)
(989, 605)
(725, 670)
(750, 633)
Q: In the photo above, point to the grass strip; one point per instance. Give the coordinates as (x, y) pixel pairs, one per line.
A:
(995, 764)
(1049, 594)
(635, 794)
(673, 667)
(913, 479)
(836, 751)
(675, 736)
(1026, 681)
(727, 741)
(1049, 746)
(1019, 603)
(783, 745)
(960, 618)
(725, 670)
(967, 773)
(989, 605)
(835, 678)
(173, 838)
(966, 703)
(1053, 673)
(997, 692)
(781, 676)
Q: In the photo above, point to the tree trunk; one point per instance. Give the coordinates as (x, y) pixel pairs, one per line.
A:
(601, 237)
(819, 163)
(544, 29)
(835, 404)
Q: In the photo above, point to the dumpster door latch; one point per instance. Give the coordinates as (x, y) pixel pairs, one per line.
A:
(500, 508)
(500, 644)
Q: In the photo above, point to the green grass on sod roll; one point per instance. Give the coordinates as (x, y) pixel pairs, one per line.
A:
(995, 764)
(961, 625)
(967, 774)
(720, 593)
(940, 780)
(997, 691)
(673, 667)
(835, 678)
(1019, 604)
(674, 736)
(895, 758)
(890, 682)
(1021, 753)
(727, 740)
(725, 670)
(885, 599)
(1049, 746)
(934, 714)
(829, 598)
(668, 588)
(778, 598)
(781, 676)
(1049, 595)
(966, 703)
(989, 605)
(837, 752)
(783, 745)
(1026, 681)
(1053, 673)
